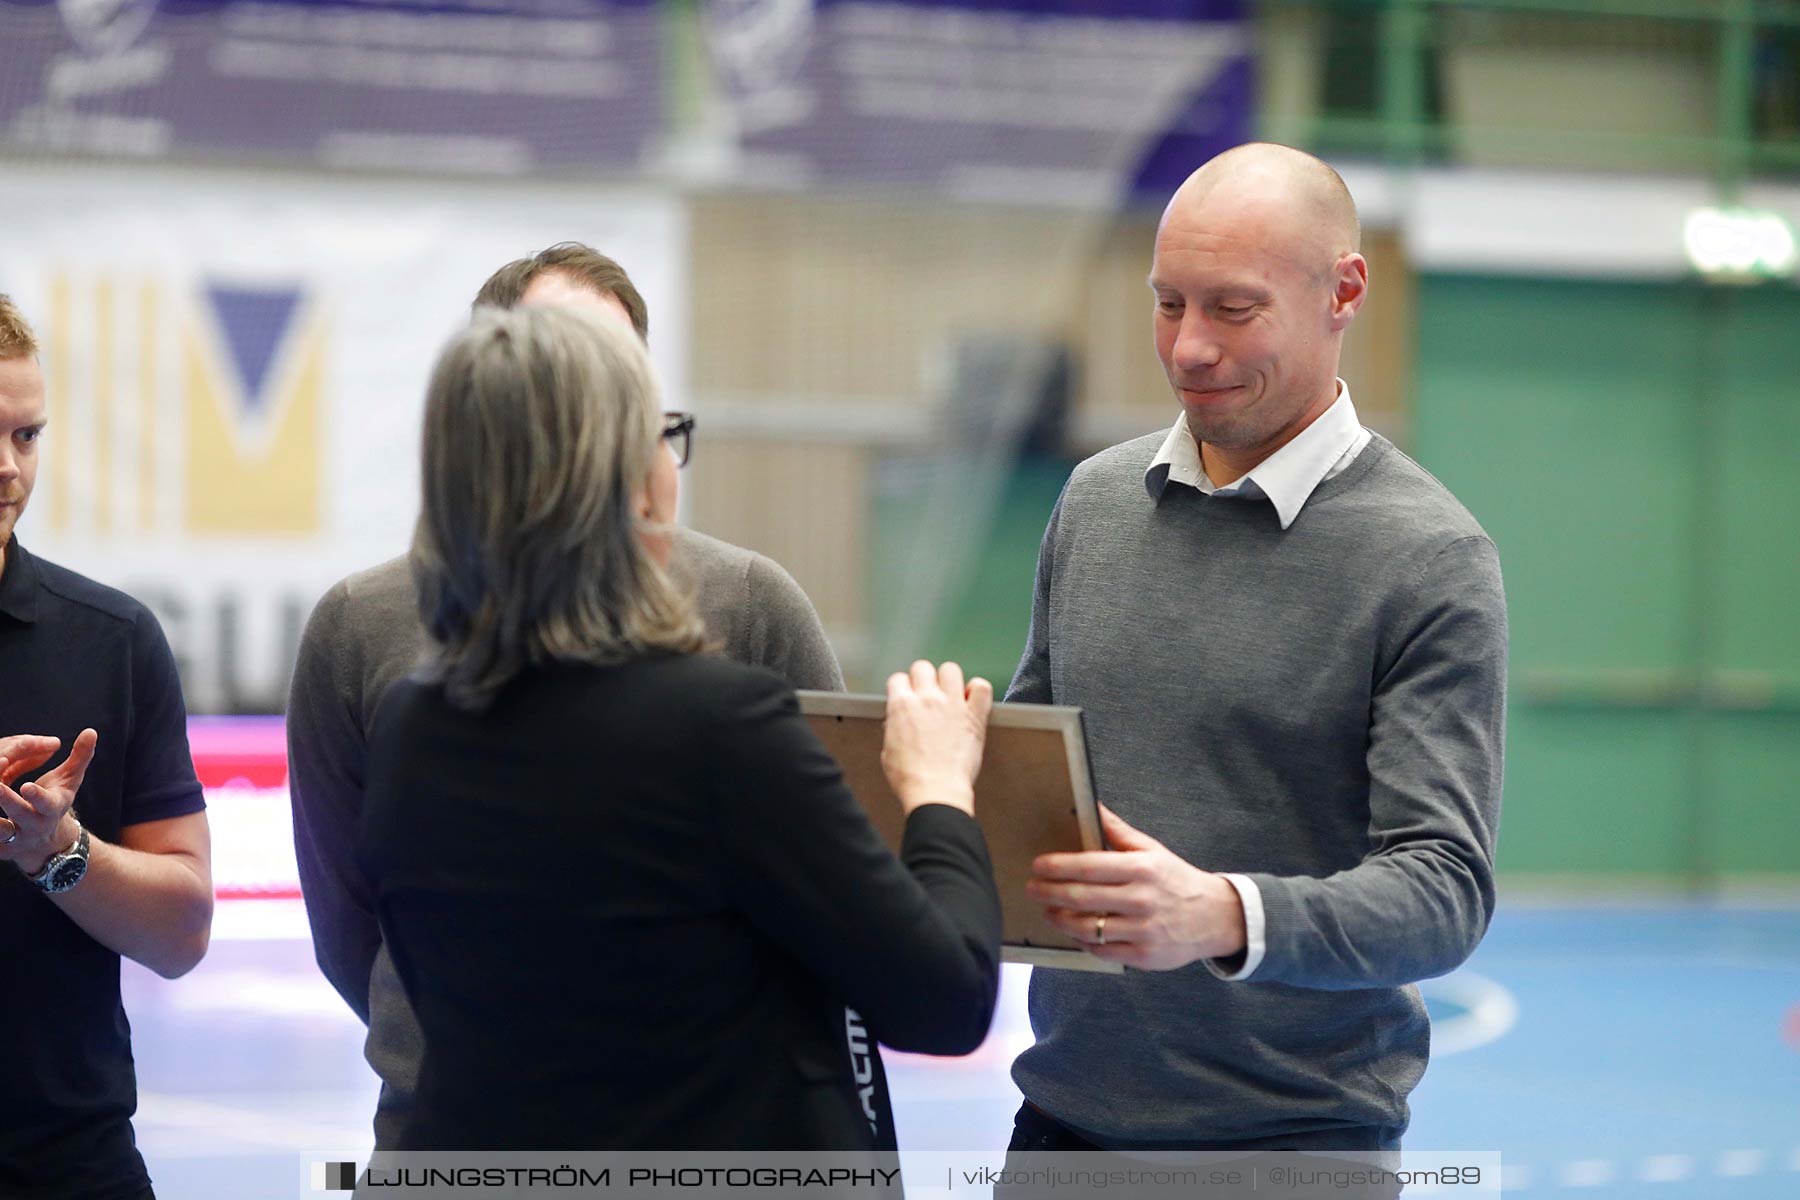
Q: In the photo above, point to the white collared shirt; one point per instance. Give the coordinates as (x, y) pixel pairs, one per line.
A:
(1287, 479)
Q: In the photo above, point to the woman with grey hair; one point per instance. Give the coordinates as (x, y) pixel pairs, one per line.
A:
(625, 887)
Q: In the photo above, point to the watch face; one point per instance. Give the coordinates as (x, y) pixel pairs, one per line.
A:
(66, 874)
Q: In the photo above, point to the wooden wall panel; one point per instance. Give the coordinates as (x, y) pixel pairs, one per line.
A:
(820, 328)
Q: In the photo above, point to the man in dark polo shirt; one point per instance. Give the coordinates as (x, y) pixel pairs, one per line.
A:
(103, 851)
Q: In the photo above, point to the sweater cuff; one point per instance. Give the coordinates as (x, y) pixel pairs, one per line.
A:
(1242, 966)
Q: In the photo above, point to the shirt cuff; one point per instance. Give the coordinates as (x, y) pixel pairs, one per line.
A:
(1232, 969)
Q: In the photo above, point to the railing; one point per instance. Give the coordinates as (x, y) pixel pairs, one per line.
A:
(1706, 86)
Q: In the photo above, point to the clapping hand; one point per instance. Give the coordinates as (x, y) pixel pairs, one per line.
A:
(32, 831)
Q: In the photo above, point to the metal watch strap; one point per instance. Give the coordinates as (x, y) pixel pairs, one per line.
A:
(78, 850)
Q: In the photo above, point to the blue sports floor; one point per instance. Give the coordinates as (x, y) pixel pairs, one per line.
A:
(1605, 1052)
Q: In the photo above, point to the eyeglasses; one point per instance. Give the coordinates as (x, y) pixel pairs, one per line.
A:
(678, 431)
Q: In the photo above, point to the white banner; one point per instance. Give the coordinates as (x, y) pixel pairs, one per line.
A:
(236, 367)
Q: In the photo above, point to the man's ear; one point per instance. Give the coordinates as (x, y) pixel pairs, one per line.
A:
(1349, 288)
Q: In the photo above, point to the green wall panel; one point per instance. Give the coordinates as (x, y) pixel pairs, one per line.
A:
(1557, 413)
(1604, 792)
(1632, 449)
(983, 624)
(1752, 765)
(1756, 551)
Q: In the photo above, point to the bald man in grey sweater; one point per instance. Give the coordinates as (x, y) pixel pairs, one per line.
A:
(1289, 641)
(365, 634)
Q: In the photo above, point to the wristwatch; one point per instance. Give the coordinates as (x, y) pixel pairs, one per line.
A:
(65, 870)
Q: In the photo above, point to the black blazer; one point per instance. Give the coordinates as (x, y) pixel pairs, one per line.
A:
(629, 905)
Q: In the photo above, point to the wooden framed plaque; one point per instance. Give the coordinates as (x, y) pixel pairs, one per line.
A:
(1035, 795)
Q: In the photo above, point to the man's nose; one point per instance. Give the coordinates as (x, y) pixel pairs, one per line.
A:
(1195, 347)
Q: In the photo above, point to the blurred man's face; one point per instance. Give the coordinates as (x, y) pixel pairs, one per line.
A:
(21, 421)
(554, 287)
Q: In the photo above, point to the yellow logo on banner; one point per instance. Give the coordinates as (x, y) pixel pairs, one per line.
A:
(253, 393)
(239, 371)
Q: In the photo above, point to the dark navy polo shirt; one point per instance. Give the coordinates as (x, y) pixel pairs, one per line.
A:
(73, 654)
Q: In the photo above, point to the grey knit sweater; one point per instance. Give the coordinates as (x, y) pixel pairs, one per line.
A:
(1319, 708)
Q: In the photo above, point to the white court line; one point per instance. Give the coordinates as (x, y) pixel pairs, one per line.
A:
(1657, 1168)
(1490, 1012)
(1666, 1168)
(1735, 1164)
(1587, 1172)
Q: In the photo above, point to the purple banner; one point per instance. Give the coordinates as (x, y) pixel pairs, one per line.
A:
(493, 86)
(1082, 101)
